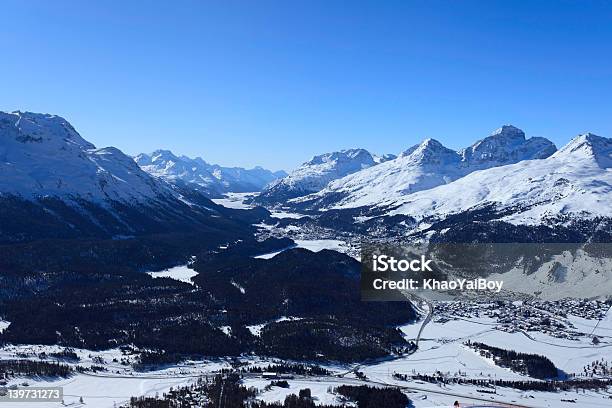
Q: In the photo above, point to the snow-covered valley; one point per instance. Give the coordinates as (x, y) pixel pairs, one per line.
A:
(442, 350)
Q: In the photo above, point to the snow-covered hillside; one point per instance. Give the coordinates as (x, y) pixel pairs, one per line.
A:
(43, 155)
(316, 173)
(575, 181)
(425, 166)
(55, 184)
(210, 179)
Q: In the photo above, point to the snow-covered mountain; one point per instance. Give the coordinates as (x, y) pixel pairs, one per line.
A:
(56, 184)
(43, 155)
(383, 158)
(316, 173)
(575, 182)
(425, 166)
(504, 146)
(211, 179)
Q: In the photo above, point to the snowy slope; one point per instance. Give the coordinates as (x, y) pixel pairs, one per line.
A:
(208, 178)
(55, 184)
(425, 166)
(315, 174)
(576, 181)
(42, 155)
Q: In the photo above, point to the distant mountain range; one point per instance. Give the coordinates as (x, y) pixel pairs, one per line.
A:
(350, 176)
(55, 184)
(427, 165)
(316, 173)
(503, 188)
(210, 179)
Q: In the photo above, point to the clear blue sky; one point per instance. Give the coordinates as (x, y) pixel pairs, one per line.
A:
(272, 83)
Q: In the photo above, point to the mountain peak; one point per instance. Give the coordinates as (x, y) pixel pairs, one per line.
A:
(163, 154)
(43, 155)
(504, 146)
(589, 146)
(355, 153)
(430, 143)
(425, 166)
(41, 129)
(592, 138)
(348, 155)
(313, 175)
(431, 151)
(509, 131)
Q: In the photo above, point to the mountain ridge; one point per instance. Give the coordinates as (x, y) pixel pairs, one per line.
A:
(425, 166)
(211, 179)
(56, 184)
(574, 180)
(43, 155)
(317, 172)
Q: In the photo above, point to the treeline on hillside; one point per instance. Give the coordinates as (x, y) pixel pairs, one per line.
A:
(533, 365)
(228, 392)
(288, 368)
(326, 340)
(483, 225)
(30, 368)
(372, 397)
(50, 259)
(529, 385)
(296, 283)
(107, 307)
(63, 355)
(51, 218)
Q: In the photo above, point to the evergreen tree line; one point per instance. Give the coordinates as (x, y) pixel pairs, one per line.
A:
(529, 385)
(228, 392)
(67, 354)
(95, 306)
(32, 368)
(299, 369)
(533, 365)
(372, 397)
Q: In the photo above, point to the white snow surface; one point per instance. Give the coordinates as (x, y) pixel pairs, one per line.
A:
(256, 329)
(443, 347)
(180, 273)
(235, 200)
(101, 392)
(3, 325)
